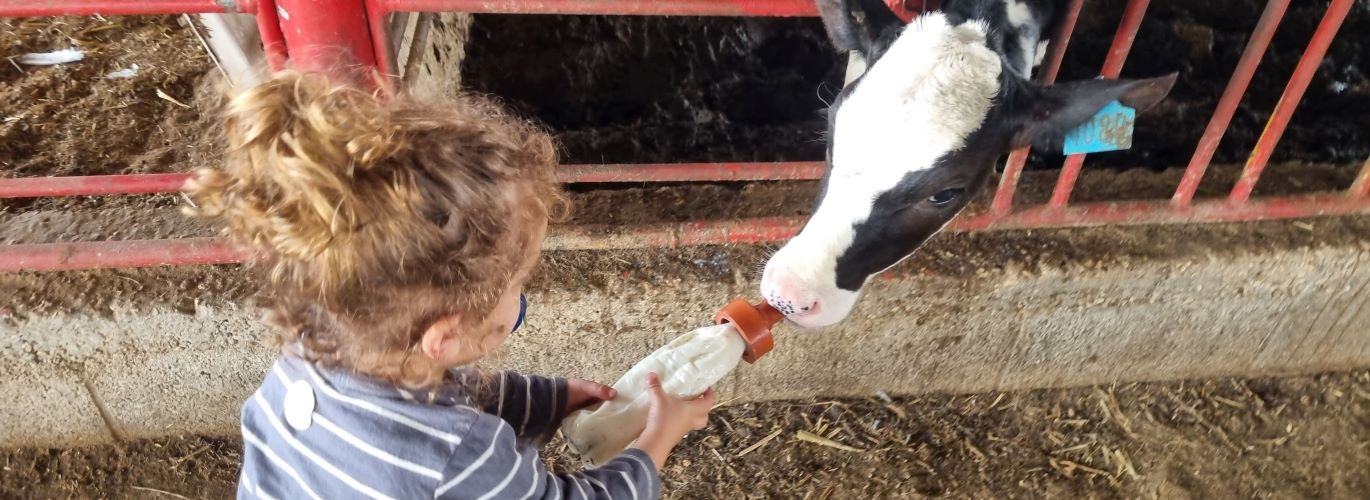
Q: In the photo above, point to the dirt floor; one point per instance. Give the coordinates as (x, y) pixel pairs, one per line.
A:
(744, 90)
(70, 119)
(1303, 437)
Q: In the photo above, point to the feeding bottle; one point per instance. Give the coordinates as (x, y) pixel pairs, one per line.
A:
(687, 367)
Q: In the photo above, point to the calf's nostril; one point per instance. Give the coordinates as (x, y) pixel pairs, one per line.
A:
(789, 308)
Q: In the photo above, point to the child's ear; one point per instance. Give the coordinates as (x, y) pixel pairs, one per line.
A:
(441, 340)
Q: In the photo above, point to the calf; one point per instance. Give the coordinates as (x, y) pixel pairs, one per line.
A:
(916, 136)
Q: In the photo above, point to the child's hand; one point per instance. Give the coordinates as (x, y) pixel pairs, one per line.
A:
(676, 416)
(669, 419)
(581, 394)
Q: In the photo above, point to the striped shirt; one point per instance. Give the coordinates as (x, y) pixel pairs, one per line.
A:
(320, 433)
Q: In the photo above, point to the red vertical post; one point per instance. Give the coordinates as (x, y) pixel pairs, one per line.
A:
(1056, 50)
(1232, 97)
(1113, 65)
(1289, 100)
(273, 41)
(1002, 204)
(378, 15)
(328, 36)
(1013, 167)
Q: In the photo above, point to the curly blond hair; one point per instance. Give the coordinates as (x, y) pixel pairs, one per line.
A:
(373, 218)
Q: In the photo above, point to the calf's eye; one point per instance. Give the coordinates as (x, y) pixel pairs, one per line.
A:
(945, 197)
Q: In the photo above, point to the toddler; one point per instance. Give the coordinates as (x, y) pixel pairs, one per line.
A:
(394, 238)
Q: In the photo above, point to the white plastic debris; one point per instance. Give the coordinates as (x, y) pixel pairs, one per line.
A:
(50, 58)
(128, 72)
(884, 396)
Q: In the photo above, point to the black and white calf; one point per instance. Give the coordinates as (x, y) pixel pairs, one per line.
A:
(915, 136)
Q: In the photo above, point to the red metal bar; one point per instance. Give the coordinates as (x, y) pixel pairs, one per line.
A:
(99, 255)
(327, 36)
(34, 187)
(733, 232)
(1065, 184)
(96, 185)
(1013, 167)
(748, 8)
(1289, 100)
(1122, 40)
(1361, 187)
(1056, 49)
(32, 8)
(1113, 65)
(1162, 212)
(378, 17)
(1008, 182)
(692, 172)
(273, 41)
(116, 254)
(1232, 97)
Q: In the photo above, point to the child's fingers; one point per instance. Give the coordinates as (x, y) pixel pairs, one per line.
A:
(601, 391)
(708, 398)
(701, 407)
(656, 396)
(654, 385)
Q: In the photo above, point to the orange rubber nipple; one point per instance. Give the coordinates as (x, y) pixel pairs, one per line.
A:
(754, 323)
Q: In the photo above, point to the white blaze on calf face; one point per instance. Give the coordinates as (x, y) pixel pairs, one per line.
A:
(1020, 17)
(917, 103)
(1018, 12)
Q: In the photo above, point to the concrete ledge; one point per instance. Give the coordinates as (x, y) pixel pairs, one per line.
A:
(150, 374)
(49, 406)
(1255, 314)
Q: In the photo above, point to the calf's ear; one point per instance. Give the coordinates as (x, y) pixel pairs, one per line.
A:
(866, 26)
(1041, 116)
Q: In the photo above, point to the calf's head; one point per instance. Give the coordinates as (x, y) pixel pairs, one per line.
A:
(911, 141)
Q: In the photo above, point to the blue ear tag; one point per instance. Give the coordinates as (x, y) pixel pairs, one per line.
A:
(523, 311)
(1109, 130)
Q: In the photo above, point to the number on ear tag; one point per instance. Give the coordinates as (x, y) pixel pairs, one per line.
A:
(1109, 130)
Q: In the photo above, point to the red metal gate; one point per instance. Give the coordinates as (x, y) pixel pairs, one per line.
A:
(311, 32)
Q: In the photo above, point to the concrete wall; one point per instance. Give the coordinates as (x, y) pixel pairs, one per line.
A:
(72, 379)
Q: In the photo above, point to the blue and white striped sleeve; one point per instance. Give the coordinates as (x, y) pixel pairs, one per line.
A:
(490, 464)
(533, 405)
